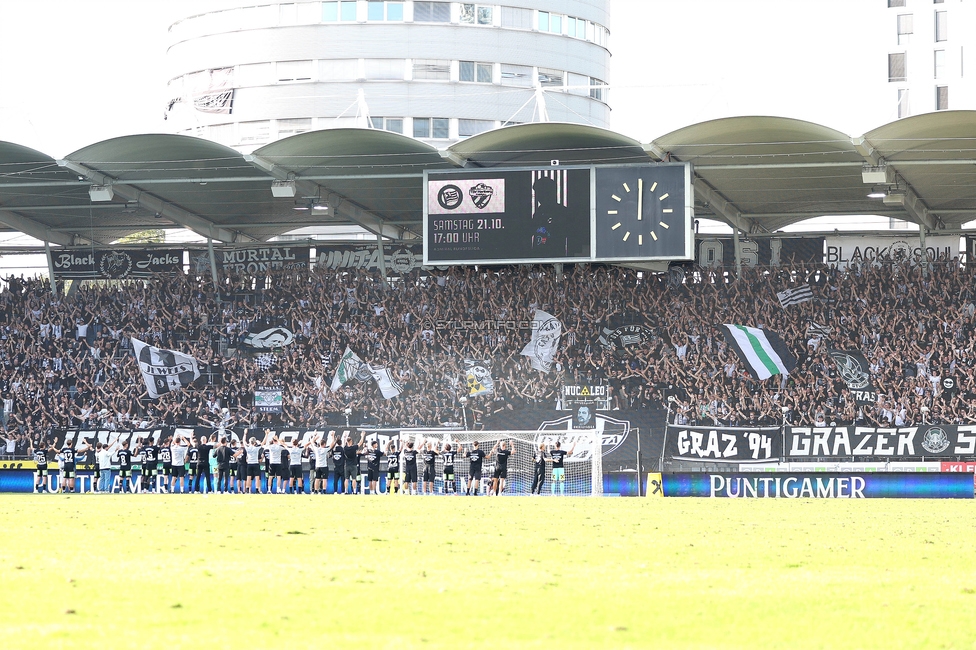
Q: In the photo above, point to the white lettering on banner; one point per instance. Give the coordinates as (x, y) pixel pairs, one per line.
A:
(67, 260)
(163, 260)
(791, 487)
(844, 250)
(836, 441)
(967, 443)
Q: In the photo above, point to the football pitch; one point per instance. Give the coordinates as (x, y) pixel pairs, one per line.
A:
(154, 571)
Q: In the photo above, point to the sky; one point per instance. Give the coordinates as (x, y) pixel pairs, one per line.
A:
(75, 72)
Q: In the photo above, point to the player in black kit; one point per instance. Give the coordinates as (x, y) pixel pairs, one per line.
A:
(410, 469)
(429, 455)
(475, 458)
(392, 467)
(40, 458)
(203, 464)
(502, 453)
(338, 465)
(125, 466)
(373, 457)
(67, 458)
(447, 455)
(150, 455)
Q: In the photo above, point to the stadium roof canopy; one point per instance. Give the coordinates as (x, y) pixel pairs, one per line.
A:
(757, 173)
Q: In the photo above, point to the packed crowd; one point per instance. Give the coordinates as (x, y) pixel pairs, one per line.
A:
(67, 360)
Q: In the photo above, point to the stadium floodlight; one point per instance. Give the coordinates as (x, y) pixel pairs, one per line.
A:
(101, 193)
(877, 193)
(875, 174)
(283, 189)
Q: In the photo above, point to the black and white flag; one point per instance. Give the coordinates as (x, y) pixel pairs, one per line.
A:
(541, 349)
(818, 331)
(802, 293)
(265, 361)
(855, 370)
(164, 371)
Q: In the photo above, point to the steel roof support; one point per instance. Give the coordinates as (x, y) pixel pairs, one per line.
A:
(35, 229)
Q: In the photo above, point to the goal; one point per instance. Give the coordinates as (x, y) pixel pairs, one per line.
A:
(583, 468)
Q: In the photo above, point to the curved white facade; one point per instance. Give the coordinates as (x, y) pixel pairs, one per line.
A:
(246, 75)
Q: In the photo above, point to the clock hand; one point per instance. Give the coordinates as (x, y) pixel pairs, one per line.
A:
(640, 198)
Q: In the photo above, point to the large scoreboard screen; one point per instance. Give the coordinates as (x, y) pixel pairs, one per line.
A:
(559, 214)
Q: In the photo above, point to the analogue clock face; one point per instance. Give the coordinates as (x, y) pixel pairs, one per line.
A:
(641, 212)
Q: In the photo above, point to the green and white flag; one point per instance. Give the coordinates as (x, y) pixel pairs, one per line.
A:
(348, 365)
(761, 350)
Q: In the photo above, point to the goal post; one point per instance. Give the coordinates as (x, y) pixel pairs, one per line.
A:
(583, 468)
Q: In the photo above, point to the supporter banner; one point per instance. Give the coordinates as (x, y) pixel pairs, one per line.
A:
(115, 264)
(477, 374)
(268, 399)
(855, 370)
(252, 260)
(584, 417)
(584, 393)
(844, 250)
(821, 485)
(944, 440)
(402, 259)
(774, 251)
(624, 339)
(723, 445)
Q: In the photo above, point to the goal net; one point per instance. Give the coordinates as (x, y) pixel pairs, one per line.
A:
(583, 468)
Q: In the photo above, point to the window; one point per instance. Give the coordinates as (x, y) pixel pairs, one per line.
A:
(579, 84)
(576, 27)
(432, 69)
(476, 72)
(338, 69)
(516, 18)
(896, 67)
(344, 10)
(941, 26)
(903, 110)
(255, 17)
(942, 98)
(468, 128)
(940, 59)
(432, 12)
(473, 14)
(295, 126)
(390, 11)
(431, 127)
(394, 124)
(549, 78)
(896, 3)
(390, 69)
(904, 28)
(255, 132)
(598, 94)
(516, 75)
(555, 23)
(294, 71)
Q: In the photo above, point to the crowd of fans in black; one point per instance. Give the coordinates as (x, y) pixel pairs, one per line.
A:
(67, 360)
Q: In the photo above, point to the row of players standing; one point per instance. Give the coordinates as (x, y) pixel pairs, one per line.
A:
(181, 464)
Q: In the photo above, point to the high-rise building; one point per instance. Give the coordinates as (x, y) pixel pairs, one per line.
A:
(246, 74)
(930, 42)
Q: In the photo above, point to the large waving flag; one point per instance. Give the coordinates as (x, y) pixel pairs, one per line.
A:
(348, 366)
(802, 293)
(541, 349)
(164, 371)
(761, 350)
(389, 386)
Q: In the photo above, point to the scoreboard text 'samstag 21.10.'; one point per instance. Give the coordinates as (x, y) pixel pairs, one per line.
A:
(559, 214)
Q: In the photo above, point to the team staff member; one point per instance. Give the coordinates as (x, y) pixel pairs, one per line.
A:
(338, 465)
(203, 464)
(178, 450)
(558, 471)
(373, 457)
(540, 470)
(392, 467)
(104, 459)
(224, 456)
(475, 458)
(351, 453)
(501, 468)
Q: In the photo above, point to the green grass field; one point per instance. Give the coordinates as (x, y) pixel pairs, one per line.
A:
(413, 572)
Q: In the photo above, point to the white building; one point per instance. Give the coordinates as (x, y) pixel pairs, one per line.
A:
(930, 52)
(245, 75)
